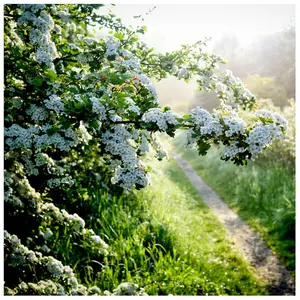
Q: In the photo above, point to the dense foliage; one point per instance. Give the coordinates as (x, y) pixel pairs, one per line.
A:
(82, 112)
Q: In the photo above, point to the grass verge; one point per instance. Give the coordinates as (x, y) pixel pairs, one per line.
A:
(167, 241)
(262, 193)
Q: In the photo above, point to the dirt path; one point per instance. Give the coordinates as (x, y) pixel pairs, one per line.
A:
(267, 266)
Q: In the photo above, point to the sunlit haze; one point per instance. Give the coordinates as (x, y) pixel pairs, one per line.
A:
(169, 26)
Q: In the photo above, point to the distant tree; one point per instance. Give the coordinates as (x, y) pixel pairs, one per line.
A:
(271, 55)
(267, 87)
(274, 55)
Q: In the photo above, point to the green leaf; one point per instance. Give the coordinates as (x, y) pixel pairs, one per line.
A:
(202, 147)
(119, 35)
(51, 74)
(37, 81)
(78, 105)
(94, 124)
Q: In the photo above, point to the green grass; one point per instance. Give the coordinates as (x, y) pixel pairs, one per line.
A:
(166, 240)
(262, 193)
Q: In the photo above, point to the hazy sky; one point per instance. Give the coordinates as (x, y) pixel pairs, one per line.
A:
(169, 26)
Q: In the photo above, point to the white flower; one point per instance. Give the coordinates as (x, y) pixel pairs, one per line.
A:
(161, 119)
(54, 266)
(97, 240)
(183, 73)
(220, 87)
(112, 46)
(90, 41)
(54, 103)
(174, 70)
(98, 108)
(64, 15)
(47, 234)
(45, 249)
(37, 113)
(232, 150)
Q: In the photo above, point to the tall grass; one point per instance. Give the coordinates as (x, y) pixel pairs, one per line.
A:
(262, 193)
(165, 240)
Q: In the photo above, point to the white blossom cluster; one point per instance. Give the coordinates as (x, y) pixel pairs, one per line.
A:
(14, 38)
(75, 47)
(183, 73)
(12, 199)
(161, 153)
(262, 136)
(233, 90)
(43, 287)
(37, 113)
(144, 146)
(8, 191)
(45, 249)
(84, 58)
(64, 15)
(40, 34)
(14, 184)
(47, 234)
(56, 140)
(54, 266)
(30, 167)
(132, 107)
(57, 29)
(277, 118)
(65, 181)
(82, 134)
(231, 150)
(19, 137)
(22, 137)
(221, 87)
(128, 178)
(112, 46)
(50, 287)
(128, 289)
(74, 222)
(128, 63)
(54, 103)
(98, 108)
(90, 41)
(161, 119)
(96, 239)
(146, 82)
(130, 171)
(226, 121)
(42, 159)
(33, 7)
(21, 255)
(235, 125)
(205, 122)
(190, 141)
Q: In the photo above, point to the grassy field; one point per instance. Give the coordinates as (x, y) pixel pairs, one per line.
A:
(262, 193)
(167, 241)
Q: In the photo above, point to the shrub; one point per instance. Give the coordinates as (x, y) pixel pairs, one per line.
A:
(81, 112)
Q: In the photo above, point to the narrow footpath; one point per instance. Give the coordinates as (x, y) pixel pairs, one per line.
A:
(259, 256)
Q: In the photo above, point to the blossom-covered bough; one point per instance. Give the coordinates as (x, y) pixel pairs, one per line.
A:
(82, 111)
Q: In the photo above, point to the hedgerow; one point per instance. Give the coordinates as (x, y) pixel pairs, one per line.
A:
(82, 112)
